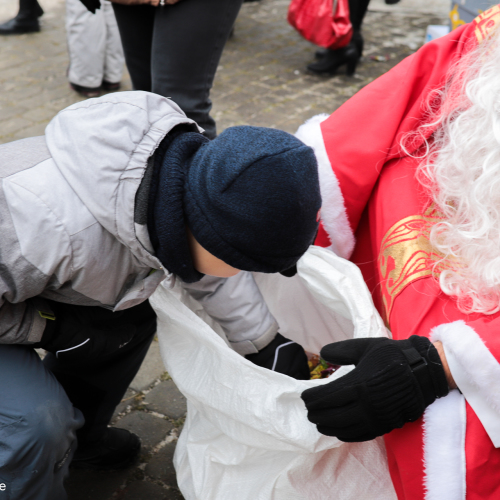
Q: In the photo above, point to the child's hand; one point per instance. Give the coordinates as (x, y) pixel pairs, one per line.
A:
(284, 356)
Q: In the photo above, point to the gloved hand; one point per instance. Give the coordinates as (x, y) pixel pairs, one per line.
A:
(284, 356)
(393, 382)
(87, 334)
(92, 5)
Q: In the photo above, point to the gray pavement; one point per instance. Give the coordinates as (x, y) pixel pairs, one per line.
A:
(261, 80)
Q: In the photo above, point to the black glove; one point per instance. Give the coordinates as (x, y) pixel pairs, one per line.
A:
(92, 5)
(393, 382)
(88, 334)
(284, 356)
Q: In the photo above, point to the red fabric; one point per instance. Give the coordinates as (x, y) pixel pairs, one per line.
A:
(377, 179)
(483, 461)
(322, 238)
(316, 22)
(407, 475)
(359, 144)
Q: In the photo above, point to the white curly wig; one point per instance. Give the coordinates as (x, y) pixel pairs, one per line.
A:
(461, 170)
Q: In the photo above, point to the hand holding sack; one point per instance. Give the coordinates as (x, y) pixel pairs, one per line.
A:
(282, 355)
(393, 382)
(323, 22)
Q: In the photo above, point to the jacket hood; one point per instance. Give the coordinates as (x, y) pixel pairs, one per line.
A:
(102, 146)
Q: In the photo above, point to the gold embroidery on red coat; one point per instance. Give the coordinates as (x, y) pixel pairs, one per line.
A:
(486, 22)
(406, 255)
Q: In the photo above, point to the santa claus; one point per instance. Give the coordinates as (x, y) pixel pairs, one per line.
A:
(410, 181)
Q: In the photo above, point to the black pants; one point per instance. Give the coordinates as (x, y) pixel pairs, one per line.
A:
(357, 11)
(174, 50)
(29, 9)
(41, 407)
(97, 386)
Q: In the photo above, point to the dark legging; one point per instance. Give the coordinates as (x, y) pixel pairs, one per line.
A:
(357, 11)
(174, 50)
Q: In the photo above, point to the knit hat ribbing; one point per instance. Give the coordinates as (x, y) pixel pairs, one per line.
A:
(251, 198)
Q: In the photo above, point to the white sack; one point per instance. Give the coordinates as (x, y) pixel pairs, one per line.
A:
(246, 434)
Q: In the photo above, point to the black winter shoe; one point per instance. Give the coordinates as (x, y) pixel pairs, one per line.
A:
(334, 59)
(26, 20)
(110, 87)
(118, 449)
(18, 26)
(86, 91)
(357, 40)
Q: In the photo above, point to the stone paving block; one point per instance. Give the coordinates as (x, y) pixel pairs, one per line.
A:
(149, 428)
(10, 111)
(127, 400)
(15, 124)
(33, 131)
(161, 466)
(92, 485)
(165, 398)
(151, 368)
(37, 114)
(142, 490)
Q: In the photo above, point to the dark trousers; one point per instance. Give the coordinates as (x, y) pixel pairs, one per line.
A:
(97, 386)
(29, 9)
(174, 50)
(357, 11)
(46, 407)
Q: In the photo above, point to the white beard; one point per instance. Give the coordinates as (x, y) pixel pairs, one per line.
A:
(462, 173)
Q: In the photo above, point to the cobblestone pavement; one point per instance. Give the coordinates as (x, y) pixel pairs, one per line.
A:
(261, 81)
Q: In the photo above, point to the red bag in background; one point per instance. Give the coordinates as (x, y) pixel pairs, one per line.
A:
(323, 22)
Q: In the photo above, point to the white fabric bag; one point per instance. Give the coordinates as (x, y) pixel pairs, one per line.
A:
(246, 435)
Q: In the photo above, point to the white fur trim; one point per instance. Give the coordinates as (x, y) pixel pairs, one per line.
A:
(476, 372)
(444, 448)
(333, 213)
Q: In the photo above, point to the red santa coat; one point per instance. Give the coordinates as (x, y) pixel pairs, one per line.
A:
(377, 214)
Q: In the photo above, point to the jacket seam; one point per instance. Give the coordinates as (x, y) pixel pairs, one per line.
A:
(55, 216)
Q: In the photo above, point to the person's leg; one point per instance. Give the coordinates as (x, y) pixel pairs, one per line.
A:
(188, 41)
(86, 34)
(135, 23)
(114, 59)
(26, 20)
(37, 427)
(331, 60)
(98, 387)
(357, 11)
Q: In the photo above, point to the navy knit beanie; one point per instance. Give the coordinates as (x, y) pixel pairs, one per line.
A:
(252, 198)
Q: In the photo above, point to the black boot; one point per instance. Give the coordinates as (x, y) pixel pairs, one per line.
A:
(26, 20)
(333, 59)
(117, 449)
(357, 39)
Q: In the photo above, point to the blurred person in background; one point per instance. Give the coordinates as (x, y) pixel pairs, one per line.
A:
(173, 47)
(329, 61)
(95, 49)
(26, 20)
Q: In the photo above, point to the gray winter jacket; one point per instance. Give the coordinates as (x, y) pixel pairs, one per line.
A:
(67, 226)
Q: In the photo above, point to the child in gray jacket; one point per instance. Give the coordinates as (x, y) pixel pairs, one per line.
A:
(122, 193)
